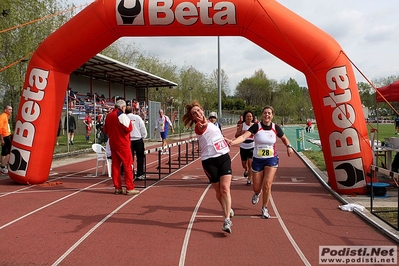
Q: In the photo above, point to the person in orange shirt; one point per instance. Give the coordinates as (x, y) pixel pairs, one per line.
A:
(5, 136)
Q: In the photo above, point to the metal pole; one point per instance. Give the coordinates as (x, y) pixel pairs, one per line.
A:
(219, 83)
(94, 122)
(67, 118)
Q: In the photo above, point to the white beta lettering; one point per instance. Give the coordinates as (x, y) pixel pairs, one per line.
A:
(337, 77)
(30, 111)
(344, 143)
(24, 133)
(186, 13)
(343, 116)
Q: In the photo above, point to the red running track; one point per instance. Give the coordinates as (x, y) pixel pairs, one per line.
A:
(76, 219)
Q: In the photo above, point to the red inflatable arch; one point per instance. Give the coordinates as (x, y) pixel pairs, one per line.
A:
(329, 74)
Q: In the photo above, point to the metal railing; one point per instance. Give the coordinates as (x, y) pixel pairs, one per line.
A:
(388, 213)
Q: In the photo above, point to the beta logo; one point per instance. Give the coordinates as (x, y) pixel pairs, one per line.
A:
(129, 12)
(19, 161)
(349, 173)
(164, 12)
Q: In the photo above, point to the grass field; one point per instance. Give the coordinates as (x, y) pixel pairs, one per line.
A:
(382, 131)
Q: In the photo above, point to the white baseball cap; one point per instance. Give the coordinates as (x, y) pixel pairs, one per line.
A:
(213, 114)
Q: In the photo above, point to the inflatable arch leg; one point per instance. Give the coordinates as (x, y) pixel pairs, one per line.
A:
(329, 74)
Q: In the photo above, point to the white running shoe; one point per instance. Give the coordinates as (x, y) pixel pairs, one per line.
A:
(4, 170)
(142, 177)
(265, 213)
(255, 198)
(227, 226)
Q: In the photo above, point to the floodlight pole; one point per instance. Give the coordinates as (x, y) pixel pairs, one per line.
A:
(219, 84)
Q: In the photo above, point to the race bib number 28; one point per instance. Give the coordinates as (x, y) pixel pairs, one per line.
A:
(266, 152)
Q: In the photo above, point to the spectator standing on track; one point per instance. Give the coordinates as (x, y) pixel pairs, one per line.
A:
(137, 136)
(215, 158)
(247, 147)
(5, 136)
(88, 121)
(163, 122)
(265, 158)
(118, 126)
(70, 126)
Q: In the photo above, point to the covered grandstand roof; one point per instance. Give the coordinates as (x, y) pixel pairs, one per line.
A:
(107, 69)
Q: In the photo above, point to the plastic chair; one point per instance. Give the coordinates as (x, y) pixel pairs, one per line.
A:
(101, 158)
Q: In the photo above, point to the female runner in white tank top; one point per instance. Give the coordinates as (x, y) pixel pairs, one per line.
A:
(247, 147)
(265, 157)
(215, 158)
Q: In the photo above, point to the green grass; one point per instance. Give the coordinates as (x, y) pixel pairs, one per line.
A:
(388, 214)
(317, 159)
(79, 143)
(382, 131)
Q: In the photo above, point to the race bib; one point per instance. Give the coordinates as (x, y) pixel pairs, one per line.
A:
(265, 151)
(220, 144)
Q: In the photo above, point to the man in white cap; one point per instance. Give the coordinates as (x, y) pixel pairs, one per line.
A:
(213, 118)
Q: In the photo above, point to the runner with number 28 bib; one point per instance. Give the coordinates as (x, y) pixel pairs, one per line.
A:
(265, 157)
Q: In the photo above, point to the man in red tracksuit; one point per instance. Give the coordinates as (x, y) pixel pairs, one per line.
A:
(118, 126)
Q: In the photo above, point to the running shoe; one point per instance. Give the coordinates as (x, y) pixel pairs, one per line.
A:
(246, 174)
(227, 226)
(141, 177)
(255, 198)
(118, 191)
(132, 192)
(231, 213)
(4, 170)
(249, 182)
(265, 213)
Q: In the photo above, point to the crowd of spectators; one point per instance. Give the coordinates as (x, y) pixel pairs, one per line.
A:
(100, 106)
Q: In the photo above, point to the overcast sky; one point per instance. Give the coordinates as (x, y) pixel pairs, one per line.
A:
(367, 30)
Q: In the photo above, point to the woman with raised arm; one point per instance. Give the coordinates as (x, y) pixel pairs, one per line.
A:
(215, 158)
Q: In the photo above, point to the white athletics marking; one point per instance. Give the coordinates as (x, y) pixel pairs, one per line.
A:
(287, 233)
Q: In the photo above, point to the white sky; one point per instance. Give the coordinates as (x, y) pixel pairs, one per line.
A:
(367, 30)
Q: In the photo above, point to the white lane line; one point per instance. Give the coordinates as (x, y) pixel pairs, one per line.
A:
(289, 236)
(77, 243)
(189, 227)
(72, 248)
(48, 205)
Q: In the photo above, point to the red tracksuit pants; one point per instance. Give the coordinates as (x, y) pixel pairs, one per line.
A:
(124, 156)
